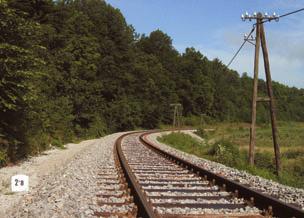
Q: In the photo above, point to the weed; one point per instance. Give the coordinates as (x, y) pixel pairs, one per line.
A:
(226, 150)
(3, 158)
(58, 144)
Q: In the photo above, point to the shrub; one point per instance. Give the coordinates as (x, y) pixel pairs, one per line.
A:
(97, 128)
(296, 166)
(202, 133)
(264, 160)
(37, 143)
(4, 144)
(241, 128)
(225, 152)
(3, 158)
(289, 178)
(58, 143)
(222, 146)
(292, 154)
(191, 121)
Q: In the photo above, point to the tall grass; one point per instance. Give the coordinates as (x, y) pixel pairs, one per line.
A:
(226, 151)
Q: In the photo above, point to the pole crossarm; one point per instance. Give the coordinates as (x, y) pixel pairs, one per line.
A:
(260, 17)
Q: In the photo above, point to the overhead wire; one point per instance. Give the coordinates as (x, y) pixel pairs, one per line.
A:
(237, 52)
(246, 39)
(293, 12)
(287, 14)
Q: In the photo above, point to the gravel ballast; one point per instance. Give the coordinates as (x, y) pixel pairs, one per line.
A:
(185, 198)
(285, 193)
(63, 183)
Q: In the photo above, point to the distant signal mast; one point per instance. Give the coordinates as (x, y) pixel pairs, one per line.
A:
(177, 115)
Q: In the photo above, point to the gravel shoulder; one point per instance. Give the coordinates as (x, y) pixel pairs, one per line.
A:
(285, 193)
(56, 178)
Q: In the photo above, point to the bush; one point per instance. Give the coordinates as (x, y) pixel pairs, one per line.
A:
(58, 143)
(296, 166)
(264, 160)
(292, 154)
(4, 144)
(183, 142)
(191, 120)
(198, 120)
(241, 128)
(201, 132)
(3, 158)
(221, 147)
(225, 152)
(37, 143)
(289, 178)
(97, 128)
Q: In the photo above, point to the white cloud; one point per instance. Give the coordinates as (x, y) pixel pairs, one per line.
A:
(285, 43)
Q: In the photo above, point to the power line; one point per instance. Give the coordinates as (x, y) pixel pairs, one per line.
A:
(241, 47)
(293, 12)
(287, 14)
(267, 20)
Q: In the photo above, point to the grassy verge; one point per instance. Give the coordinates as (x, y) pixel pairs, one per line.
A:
(226, 151)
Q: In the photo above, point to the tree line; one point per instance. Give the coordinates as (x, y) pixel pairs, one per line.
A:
(75, 69)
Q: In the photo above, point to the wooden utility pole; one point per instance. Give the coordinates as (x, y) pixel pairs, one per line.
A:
(202, 121)
(271, 101)
(177, 115)
(254, 93)
(261, 40)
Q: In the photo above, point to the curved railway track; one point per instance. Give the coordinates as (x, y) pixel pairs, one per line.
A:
(114, 198)
(163, 185)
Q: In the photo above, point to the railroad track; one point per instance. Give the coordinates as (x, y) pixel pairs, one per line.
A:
(163, 185)
(114, 198)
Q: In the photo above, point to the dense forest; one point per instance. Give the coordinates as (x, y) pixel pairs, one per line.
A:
(75, 69)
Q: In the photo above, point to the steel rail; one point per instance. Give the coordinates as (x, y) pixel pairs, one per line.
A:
(260, 200)
(144, 207)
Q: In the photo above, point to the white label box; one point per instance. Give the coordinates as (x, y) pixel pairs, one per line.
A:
(20, 183)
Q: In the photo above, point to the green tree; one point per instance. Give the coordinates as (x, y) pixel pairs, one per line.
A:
(19, 67)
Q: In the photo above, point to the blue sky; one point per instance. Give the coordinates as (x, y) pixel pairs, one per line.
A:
(214, 27)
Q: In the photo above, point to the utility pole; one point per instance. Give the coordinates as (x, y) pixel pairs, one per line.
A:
(177, 115)
(260, 39)
(254, 93)
(272, 107)
(202, 121)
